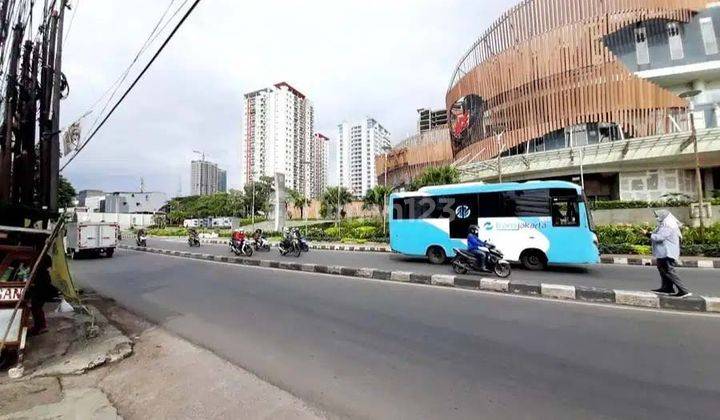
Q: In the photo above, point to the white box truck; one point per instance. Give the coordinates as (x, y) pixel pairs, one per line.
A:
(96, 239)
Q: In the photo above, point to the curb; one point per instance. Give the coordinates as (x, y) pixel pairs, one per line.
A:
(645, 261)
(544, 290)
(710, 263)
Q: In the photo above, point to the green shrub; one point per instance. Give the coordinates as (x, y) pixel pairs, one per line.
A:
(332, 232)
(365, 232)
(641, 249)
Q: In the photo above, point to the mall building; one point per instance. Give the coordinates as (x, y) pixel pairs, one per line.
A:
(599, 93)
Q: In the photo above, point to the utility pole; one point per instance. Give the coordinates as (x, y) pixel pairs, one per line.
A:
(55, 133)
(6, 178)
(46, 127)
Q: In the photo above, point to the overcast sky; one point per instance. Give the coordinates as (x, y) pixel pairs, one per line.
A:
(352, 59)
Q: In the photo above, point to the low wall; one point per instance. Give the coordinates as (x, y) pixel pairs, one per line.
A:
(644, 215)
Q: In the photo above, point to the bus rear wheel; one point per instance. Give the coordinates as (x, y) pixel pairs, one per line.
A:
(533, 260)
(436, 255)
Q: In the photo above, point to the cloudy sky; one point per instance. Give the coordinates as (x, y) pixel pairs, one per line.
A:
(352, 58)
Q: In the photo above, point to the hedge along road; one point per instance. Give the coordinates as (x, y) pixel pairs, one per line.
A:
(705, 282)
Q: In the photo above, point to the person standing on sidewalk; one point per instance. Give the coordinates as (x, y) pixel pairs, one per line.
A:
(666, 250)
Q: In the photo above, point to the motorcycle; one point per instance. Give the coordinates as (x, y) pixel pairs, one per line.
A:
(141, 241)
(290, 248)
(193, 241)
(241, 248)
(304, 246)
(261, 245)
(465, 261)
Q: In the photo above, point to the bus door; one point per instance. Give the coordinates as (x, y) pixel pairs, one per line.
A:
(465, 214)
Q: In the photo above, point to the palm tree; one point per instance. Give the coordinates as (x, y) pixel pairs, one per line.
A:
(438, 175)
(298, 201)
(333, 200)
(378, 197)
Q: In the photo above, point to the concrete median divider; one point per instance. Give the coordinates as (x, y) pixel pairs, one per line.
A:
(544, 290)
(690, 262)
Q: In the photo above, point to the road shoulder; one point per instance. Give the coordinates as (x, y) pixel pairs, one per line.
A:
(165, 377)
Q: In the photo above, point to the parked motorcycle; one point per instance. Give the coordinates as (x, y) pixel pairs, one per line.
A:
(241, 248)
(465, 261)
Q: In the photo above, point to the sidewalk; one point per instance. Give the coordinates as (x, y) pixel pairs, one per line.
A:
(693, 262)
(165, 377)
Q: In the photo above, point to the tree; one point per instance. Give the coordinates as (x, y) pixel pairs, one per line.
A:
(264, 189)
(378, 197)
(65, 193)
(439, 175)
(330, 200)
(298, 201)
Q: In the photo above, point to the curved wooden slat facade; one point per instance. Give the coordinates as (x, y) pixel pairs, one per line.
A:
(544, 66)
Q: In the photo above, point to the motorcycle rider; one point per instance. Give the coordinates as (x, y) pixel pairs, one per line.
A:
(141, 235)
(193, 235)
(258, 237)
(477, 246)
(238, 237)
(287, 239)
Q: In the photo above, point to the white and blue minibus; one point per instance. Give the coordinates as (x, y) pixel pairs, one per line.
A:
(535, 223)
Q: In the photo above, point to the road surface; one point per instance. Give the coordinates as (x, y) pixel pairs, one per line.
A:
(701, 281)
(364, 349)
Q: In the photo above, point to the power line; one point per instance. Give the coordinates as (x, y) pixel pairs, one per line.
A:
(72, 19)
(137, 79)
(115, 86)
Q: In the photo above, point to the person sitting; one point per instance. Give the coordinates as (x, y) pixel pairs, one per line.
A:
(141, 234)
(477, 246)
(257, 235)
(238, 236)
(193, 234)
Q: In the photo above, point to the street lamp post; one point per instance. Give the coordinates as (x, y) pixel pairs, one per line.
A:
(387, 149)
(304, 197)
(698, 175)
(501, 149)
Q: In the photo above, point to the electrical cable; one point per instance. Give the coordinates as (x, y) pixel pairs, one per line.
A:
(72, 19)
(137, 79)
(115, 86)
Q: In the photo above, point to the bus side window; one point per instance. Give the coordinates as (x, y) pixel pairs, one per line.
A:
(565, 212)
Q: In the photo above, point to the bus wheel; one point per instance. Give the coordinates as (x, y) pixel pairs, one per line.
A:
(436, 255)
(533, 260)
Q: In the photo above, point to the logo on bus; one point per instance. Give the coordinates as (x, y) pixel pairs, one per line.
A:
(462, 212)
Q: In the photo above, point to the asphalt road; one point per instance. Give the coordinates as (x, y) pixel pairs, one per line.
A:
(701, 281)
(364, 349)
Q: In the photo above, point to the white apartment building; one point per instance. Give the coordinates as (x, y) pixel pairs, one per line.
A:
(358, 145)
(277, 136)
(203, 178)
(317, 170)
